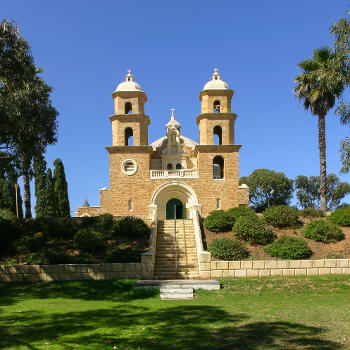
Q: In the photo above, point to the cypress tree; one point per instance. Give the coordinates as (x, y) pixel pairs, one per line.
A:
(8, 193)
(61, 189)
(51, 199)
(40, 186)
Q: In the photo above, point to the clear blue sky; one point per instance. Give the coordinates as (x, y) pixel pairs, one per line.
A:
(172, 47)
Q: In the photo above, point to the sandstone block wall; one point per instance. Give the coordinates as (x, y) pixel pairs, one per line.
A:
(69, 272)
(258, 268)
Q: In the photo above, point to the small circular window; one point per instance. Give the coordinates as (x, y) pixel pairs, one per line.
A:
(129, 167)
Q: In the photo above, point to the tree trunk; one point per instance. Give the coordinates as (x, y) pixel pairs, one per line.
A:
(323, 171)
(26, 192)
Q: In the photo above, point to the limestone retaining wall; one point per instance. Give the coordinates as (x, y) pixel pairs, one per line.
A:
(69, 272)
(215, 269)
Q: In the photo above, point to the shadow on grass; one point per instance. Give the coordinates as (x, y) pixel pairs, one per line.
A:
(179, 327)
(117, 290)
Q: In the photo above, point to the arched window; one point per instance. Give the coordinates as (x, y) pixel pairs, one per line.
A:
(217, 135)
(128, 108)
(169, 166)
(178, 166)
(173, 137)
(217, 106)
(218, 167)
(129, 205)
(129, 139)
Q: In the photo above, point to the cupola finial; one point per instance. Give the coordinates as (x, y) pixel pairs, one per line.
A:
(216, 74)
(129, 77)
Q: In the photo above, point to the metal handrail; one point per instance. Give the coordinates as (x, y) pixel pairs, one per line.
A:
(175, 239)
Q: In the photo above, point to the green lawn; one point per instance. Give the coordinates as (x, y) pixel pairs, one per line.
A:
(248, 313)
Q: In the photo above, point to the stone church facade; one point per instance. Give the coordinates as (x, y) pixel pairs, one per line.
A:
(174, 175)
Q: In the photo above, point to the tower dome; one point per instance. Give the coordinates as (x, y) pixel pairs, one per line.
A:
(129, 84)
(216, 83)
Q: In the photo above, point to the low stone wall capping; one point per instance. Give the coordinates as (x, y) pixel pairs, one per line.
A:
(215, 269)
(208, 269)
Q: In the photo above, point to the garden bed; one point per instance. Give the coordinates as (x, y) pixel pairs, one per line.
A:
(338, 250)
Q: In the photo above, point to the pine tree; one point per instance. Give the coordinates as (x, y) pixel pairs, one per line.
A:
(40, 186)
(61, 189)
(51, 199)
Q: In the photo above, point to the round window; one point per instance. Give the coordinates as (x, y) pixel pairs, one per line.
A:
(129, 167)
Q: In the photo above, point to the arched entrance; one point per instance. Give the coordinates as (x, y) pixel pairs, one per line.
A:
(171, 191)
(175, 207)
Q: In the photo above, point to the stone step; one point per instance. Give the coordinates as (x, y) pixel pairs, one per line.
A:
(172, 242)
(193, 283)
(169, 276)
(176, 293)
(172, 268)
(179, 261)
(179, 256)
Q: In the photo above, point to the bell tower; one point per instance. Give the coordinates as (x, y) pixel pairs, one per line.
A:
(129, 123)
(216, 122)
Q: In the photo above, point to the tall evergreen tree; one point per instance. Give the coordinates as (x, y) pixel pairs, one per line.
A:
(51, 199)
(61, 189)
(27, 117)
(39, 166)
(341, 32)
(8, 179)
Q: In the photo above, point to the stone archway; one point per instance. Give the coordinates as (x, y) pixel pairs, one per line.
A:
(175, 208)
(174, 190)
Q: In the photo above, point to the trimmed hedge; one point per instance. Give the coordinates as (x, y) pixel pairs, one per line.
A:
(286, 247)
(281, 216)
(312, 213)
(126, 255)
(219, 221)
(323, 231)
(253, 230)
(341, 216)
(238, 212)
(49, 257)
(105, 221)
(130, 226)
(228, 249)
(89, 240)
(7, 214)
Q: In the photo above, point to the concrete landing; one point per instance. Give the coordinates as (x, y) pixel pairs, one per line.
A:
(190, 283)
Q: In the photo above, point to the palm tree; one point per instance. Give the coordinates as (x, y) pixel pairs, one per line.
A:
(318, 86)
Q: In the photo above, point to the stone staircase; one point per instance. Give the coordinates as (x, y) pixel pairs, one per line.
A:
(187, 262)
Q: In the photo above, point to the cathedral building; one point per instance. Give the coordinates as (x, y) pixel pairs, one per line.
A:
(174, 175)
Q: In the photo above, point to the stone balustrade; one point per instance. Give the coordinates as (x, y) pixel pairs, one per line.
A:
(172, 174)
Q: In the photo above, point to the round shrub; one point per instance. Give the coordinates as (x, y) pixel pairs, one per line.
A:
(228, 249)
(219, 221)
(105, 221)
(130, 226)
(29, 244)
(8, 234)
(312, 213)
(287, 247)
(323, 231)
(89, 240)
(50, 257)
(238, 212)
(341, 216)
(126, 255)
(7, 214)
(253, 230)
(281, 216)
